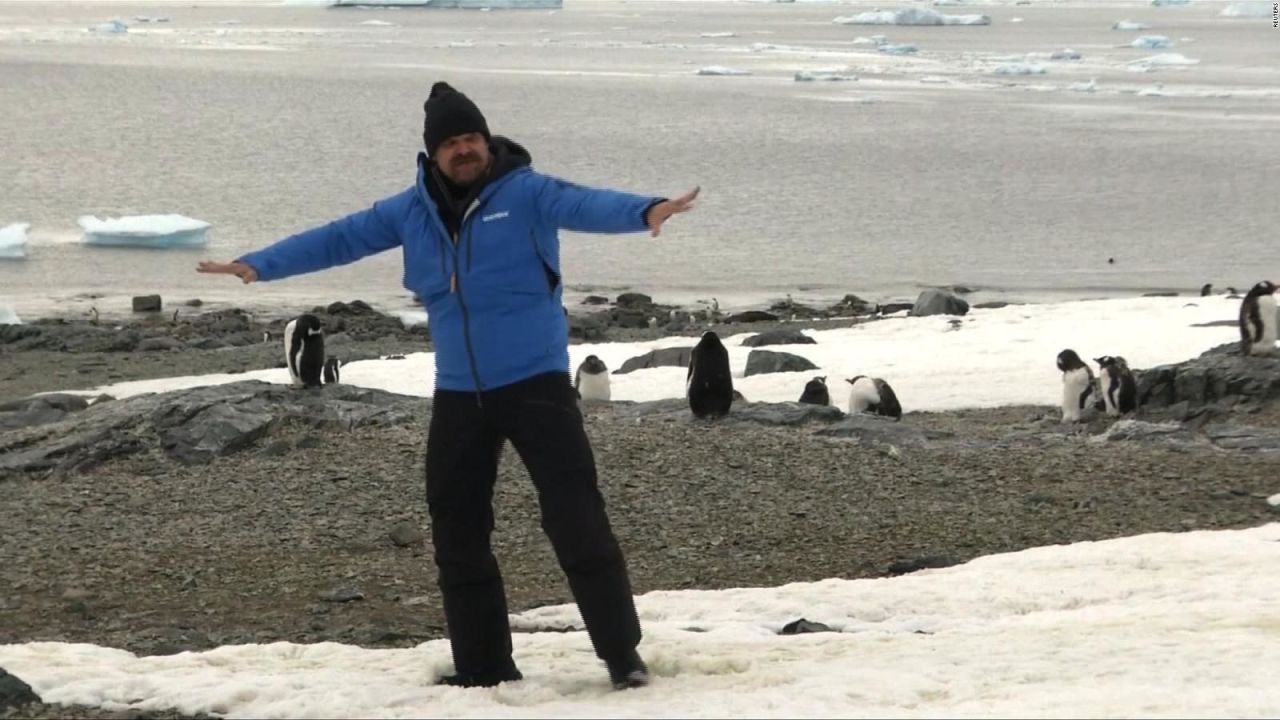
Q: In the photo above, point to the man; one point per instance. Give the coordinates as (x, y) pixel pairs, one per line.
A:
(479, 235)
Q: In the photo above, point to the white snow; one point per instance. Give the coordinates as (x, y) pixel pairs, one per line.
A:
(1151, 42)
(1165, 60)
(994, 357)
(721, 70)
(1248, 9)
(1154, 626)
(8, 316)
(13, 241)
(1130, 25)
(152, 231)
(1274, 500)
(911, 16)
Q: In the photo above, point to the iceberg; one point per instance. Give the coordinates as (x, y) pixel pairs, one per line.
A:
(456, 4)
(727, 34)
(1020, 69)
(13, 241)
(1091, 86)
(8, 316)
(898, 49)
(873, 40)
(149, 231)
(1130, 25)
(1164, 59)
(721, 70)
(1248, 9)
(113, 27)
(1151, 42)
(911, 16)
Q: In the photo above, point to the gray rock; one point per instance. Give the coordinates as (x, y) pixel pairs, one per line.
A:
(595, 300)
(14, 693)
(147, 303)
(891, 308)
(342, 595)
(1170, 433)
(781, 336)
(801, 626)
(406, 533)
(1220, 376)
(936, 301)
(991, 305)
(663, 357)
(760, 362)
(786, 413)
(875, 430)
(160, 342)
(1243, 437)
(633, 300)
(207, 343)
(750, 316)
(196, 424)
(902, 567)
(39, 410)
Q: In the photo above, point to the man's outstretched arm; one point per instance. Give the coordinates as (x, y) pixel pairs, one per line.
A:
(574, 207)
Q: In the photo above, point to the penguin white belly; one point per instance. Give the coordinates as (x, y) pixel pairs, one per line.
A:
(292, 356)
(1110, 394)
(1267, 312)
(1075, 383)
(594, 386)
(862, 395)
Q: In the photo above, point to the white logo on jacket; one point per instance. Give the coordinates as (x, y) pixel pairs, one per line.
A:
(495, 216)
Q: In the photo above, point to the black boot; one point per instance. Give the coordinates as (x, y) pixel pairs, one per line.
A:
(484, 679)
(628, 672)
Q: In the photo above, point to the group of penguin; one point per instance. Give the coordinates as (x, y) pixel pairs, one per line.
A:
(709, 385)
(1114, 390)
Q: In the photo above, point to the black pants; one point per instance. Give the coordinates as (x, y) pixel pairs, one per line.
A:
(540, 417)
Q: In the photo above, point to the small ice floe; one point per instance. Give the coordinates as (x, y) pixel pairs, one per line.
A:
(1165, 3)
(1091, 86)
(824, 75)
(935, 80)
(1151, 42)
(1016, 20)
(1248, 9)
(911, 16)
(1022, 68)
(111, 27)
(726, 34)
(898, 49)
(1274, 500)
(1130, 25)
(1156, 90)
(1064, 54)
(1164, 60)
(150, 19)
(378, 23)
(721, 70)
(462, 44)
(149, 231)
(13, 241)
(874, 40)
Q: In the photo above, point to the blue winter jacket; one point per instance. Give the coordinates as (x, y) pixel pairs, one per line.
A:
(493, 297)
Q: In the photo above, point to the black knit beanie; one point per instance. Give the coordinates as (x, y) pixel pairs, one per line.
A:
(449, 113)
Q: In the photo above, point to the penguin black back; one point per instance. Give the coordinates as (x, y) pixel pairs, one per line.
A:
(1119, 389)
(816, 392)
(709, 384)
(304, 349)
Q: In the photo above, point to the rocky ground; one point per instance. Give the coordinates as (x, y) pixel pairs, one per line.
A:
(173, 523)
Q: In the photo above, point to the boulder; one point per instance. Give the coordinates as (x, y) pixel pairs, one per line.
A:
(663, 357)
(936, 301)
(760, 362)
(147, 303)
(781, 336)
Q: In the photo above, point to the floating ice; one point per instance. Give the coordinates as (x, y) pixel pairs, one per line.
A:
(911, 16)
(1088, 87)
(1016, 20)
(827, 75)
(8, 316)
(150, 231)
(1020, 69)
(1156, 90)
(898, 49)
(1164, 59)
(113, 27)
(721, 70)
(1151, 42)
(873, 40)
(1248, 9)
(935, 80)
(718, 34)
(378, 23)
(13, 241)
(1130, 25)
(1064, 54)
(148, 19)
(449, 4)
(1163, 3)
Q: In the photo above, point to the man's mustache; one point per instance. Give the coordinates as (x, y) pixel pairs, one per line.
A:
(465, 159)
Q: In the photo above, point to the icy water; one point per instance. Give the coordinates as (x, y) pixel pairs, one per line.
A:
(927, 169)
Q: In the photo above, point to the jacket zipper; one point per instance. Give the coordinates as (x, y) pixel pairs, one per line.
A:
(455, 286)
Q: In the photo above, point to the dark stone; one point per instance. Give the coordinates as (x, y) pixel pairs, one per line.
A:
(787, 413)
(891, 308)
(781, 336)
(194, 302)
(760, 362)
(595, 300)
(991, 305)
(902, 567)
(406, 533)
(663, 357)
(147, 303)
(801, 626)
(633, 300)
(875, 430)
(750, 316)
(1217, 375)
(936, 301)
(14, 693)
(1160, 294)
(159, 343)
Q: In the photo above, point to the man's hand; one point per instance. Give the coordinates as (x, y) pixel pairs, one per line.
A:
(659, 213)
(239, 269)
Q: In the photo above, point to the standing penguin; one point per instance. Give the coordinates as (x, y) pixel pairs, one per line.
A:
(1118, 388)
(304, 350)
(873, 395)
(1078, 385)
(709, 385)
(331, 366)
(1258, 320)
(592, 379)
(815, 392)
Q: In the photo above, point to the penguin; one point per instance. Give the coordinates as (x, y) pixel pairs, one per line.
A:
(304, 350)
(592, 379)
(1116, 385)
(1258, 320)
(1206, 290)
(1078, 385)
(709, 386)
(331, 366)
(816, 393)
(873, 395)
